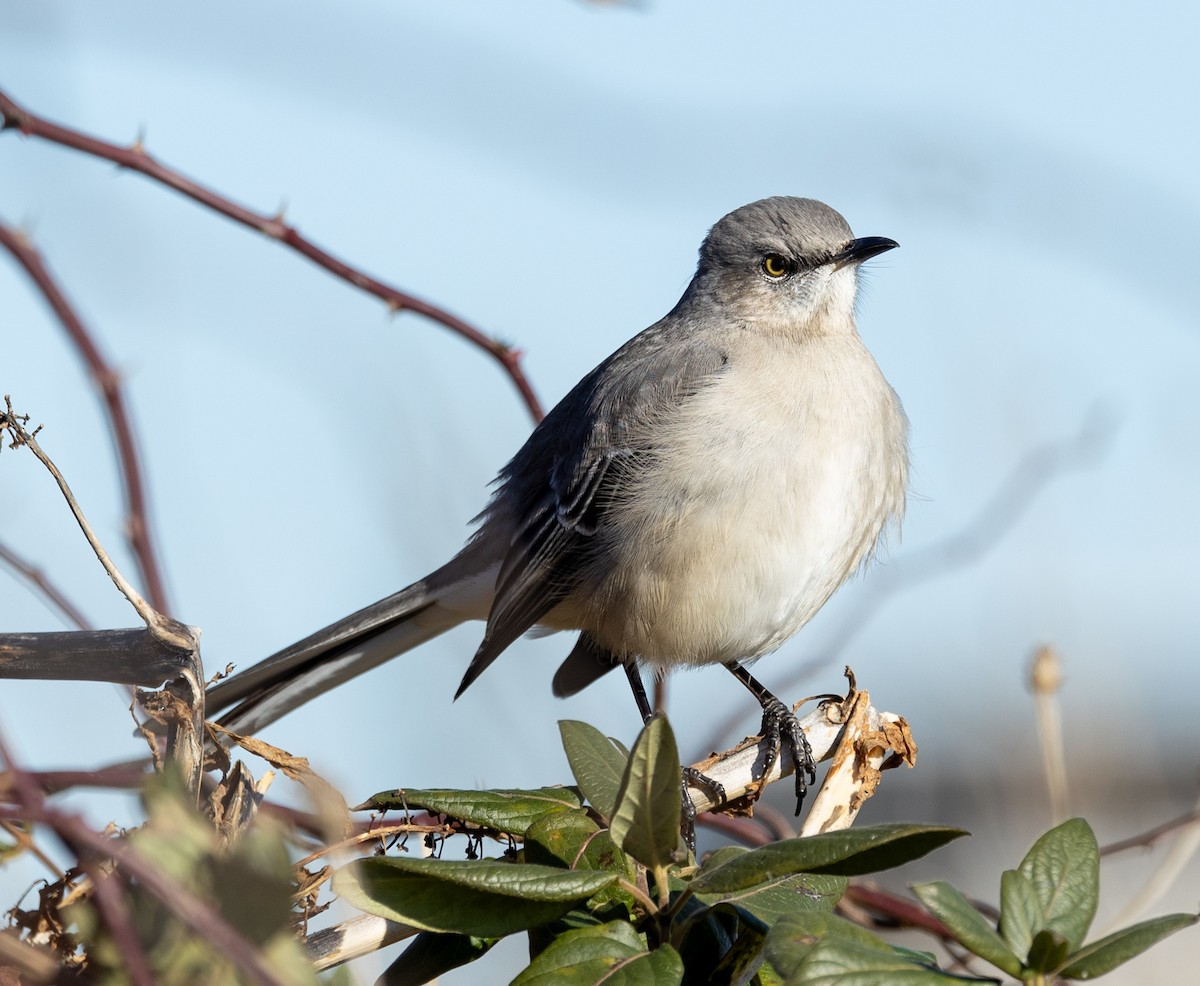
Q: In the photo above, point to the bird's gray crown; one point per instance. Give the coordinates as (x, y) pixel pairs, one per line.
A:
(802, 229)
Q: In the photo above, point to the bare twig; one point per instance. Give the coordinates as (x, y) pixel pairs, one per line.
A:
(868, 740)
(166, 629)
(108, 383)
(1045, 679)
(1146, 839)
(354, 938)
(1173, 863)
(136, 158)
(35, 577)
(121, 776)
(111, 903)
(893, 909)
(739, 770)
(377, 833)
(25, 841)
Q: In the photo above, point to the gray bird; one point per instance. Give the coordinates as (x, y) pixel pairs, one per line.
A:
(695, 499)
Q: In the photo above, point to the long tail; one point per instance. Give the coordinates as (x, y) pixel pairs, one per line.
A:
(274, 687)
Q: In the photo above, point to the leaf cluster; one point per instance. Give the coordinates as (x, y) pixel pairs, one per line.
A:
(247, 882)
(606, 891)
(1046, 908)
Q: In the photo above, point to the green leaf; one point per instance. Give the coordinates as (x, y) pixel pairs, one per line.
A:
(1021, 914)
(1048, 951)
(772, 899)
(846, 853)
(1103, 956)
(970, 927)
(824, 949)
(573, 841)
(613, 953)
(1064, 868)
(596, 763)
(483, 898)
(645, 821)
(511, 812)
(431, 955)
(840, 963)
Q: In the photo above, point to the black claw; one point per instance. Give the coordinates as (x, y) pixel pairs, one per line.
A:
(687, 824)
(687, 817)
(779, 726)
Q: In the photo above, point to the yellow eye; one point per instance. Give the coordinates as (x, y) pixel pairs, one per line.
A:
(774, 265)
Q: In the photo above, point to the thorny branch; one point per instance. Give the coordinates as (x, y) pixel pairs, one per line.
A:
(135, 157)
(108, 382)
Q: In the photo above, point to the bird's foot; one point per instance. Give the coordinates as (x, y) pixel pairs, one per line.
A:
(780, 726)
(687, 823)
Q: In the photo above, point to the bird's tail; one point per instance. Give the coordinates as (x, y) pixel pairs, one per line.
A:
(256, 697)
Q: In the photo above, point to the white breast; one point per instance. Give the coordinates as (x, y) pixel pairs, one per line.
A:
(779, 479)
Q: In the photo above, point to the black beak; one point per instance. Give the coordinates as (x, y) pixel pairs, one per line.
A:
(864, 248)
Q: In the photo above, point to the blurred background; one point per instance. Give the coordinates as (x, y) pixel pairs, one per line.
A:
(547, 170)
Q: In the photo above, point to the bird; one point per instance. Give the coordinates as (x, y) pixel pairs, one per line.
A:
(694, 500)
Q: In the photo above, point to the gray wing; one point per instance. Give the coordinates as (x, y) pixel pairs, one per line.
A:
(556, 492)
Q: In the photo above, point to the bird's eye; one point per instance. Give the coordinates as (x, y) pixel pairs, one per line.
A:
(774, 265)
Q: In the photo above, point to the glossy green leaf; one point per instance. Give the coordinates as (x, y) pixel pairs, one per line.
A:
(481, 898)
(511, 812)
(596, 763)
(772, 899)
(846, 853)
(840, 963)
(613, 954)
(1021, 914)
(645, 821)
(970, 927)
(1103, 956)
(812, 948)
(573, 841)
(430, 955)
(1064, 868)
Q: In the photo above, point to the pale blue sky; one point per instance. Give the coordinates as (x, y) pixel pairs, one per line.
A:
(547, 170)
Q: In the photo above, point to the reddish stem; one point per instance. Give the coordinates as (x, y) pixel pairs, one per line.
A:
(107, 381)
(37, 578)
(136, 158)
(189, 908)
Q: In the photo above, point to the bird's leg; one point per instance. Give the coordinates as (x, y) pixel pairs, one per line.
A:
(639, 691)
(779, 726)
(689, 775)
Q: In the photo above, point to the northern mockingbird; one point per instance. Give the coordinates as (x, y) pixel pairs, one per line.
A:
(694, 500)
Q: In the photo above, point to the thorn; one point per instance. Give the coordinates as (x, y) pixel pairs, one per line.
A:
(139, 142)
(276, 226)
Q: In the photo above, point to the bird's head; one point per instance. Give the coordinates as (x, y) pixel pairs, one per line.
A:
(784, 264)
